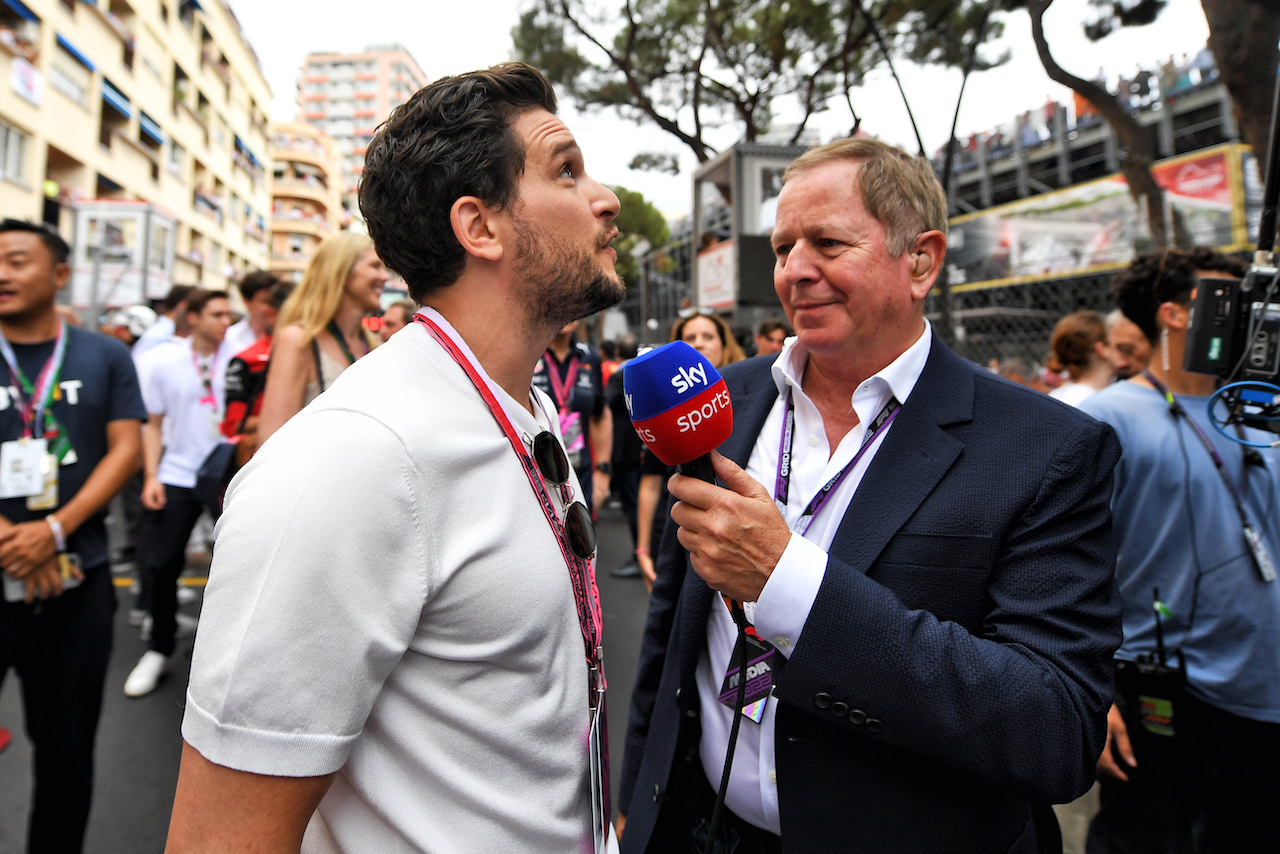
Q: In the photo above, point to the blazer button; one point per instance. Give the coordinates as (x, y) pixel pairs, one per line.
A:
(874, 724)
(822, 700)
(657, 793)
(857, 717)
(677, 696)
(839, 709)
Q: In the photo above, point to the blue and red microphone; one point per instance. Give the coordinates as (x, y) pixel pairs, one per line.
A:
(679, 406)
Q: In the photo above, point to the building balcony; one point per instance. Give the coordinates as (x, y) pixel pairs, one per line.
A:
(296, 154)
(295, 188)
(291, 223)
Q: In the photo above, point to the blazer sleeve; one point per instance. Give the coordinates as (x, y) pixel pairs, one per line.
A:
(1020, 703)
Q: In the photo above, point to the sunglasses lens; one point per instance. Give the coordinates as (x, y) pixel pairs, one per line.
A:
(550, 458)
(580, 531)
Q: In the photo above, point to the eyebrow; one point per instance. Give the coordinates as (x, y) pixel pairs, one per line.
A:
(561, 147)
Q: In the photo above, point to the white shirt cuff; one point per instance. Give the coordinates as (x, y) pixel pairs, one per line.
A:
(787, 598)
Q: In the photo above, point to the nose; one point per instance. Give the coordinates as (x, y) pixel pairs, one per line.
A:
(797, 266)
(605, 204)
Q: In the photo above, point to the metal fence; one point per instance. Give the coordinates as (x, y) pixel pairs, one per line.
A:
(1015, 321)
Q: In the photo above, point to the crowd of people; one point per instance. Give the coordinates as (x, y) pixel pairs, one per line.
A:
(1141, 89)
(918, 605)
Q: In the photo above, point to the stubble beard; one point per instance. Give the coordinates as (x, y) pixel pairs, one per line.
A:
(561, 284)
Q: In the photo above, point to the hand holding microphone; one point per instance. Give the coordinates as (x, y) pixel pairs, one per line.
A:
(681, 410)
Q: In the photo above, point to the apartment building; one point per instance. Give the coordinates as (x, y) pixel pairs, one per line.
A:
(347, 95)
(306, 195)
(155, 100)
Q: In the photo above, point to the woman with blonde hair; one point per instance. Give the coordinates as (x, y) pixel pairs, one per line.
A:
(711, 336)
(320, 330)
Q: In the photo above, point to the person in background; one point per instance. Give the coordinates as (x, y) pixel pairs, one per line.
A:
(127, 324)
(771, 335)
(711, 336)
(396, 316)
(1127, 349)
(184, 390)
(246, 379)
(1192, 754)
(76, 394)
(627, 454)
(569, 373)
(609, 360)
(259, 313)
(320, 330)
(172, 321)
(1079, 348)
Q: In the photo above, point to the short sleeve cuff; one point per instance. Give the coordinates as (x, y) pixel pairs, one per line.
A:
(788, 595)
(276, 754)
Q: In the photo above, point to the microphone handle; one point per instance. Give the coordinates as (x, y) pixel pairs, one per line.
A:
(699, 467)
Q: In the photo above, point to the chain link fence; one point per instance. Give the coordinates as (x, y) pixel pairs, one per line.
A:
(1013, 322)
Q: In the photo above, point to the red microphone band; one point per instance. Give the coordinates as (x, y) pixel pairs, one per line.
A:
(690, 429)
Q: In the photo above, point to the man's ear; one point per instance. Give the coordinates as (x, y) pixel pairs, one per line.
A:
(475, 227)
(61, 275)
(927, 252)
(1171, 315)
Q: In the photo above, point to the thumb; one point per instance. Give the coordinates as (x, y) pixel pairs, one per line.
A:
(736, 478)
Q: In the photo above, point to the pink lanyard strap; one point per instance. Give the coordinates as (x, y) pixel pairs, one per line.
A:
(585, 593)
(562, 389)
(206, 378)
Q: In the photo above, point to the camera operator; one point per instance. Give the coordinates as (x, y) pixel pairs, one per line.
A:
(1194, 739)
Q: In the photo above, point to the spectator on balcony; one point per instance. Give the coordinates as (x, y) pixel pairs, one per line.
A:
(320, 331)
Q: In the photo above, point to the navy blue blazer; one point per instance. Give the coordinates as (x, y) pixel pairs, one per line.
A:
(957, 664)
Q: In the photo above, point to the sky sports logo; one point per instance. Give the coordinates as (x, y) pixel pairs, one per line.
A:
(686, 379)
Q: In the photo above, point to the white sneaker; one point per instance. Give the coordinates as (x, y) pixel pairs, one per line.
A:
(146, 674)
(186, 595)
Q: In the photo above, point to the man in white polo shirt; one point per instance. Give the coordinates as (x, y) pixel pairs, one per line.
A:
(184, 390)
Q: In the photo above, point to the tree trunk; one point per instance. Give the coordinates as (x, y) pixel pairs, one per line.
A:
(1136, 167)
(1244, 36)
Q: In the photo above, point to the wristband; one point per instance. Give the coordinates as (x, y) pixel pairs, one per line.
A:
(59, 537)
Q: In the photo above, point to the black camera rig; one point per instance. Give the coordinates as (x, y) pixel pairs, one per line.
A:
(1235, 324)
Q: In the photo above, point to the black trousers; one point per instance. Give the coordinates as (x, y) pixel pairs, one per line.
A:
(60, 649)
(1212, 788)
(626, 483)
(162, 556)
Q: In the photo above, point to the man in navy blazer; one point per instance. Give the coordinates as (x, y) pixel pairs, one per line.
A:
(928, 565)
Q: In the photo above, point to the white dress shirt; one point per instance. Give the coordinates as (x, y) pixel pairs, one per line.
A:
(783, 607)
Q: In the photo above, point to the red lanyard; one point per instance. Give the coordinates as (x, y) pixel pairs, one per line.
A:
(562, 388)
(585, 593)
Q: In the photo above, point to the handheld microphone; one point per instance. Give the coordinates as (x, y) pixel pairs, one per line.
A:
(679, 406)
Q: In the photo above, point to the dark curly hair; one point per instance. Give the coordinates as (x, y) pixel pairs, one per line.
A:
(453, 138)
(1165, 276)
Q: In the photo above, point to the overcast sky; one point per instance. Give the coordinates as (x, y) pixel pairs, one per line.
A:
(452, 37)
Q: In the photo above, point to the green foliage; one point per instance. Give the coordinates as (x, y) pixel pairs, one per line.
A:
(637, 221)
(689, 65)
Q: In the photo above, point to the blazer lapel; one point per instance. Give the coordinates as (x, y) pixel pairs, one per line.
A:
(916, 453)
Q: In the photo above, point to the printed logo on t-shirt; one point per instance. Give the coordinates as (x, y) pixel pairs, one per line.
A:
(70, 392)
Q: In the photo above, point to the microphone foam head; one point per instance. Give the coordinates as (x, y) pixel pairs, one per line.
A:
(678, 402)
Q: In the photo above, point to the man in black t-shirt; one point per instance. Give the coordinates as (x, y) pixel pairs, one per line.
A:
(70, 436)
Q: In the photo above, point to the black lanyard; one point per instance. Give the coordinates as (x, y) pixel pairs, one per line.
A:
(1261, 559)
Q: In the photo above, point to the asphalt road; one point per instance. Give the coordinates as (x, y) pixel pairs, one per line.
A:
(139, 740)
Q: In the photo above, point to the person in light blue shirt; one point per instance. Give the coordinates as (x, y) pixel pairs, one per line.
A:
(1199, 775)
